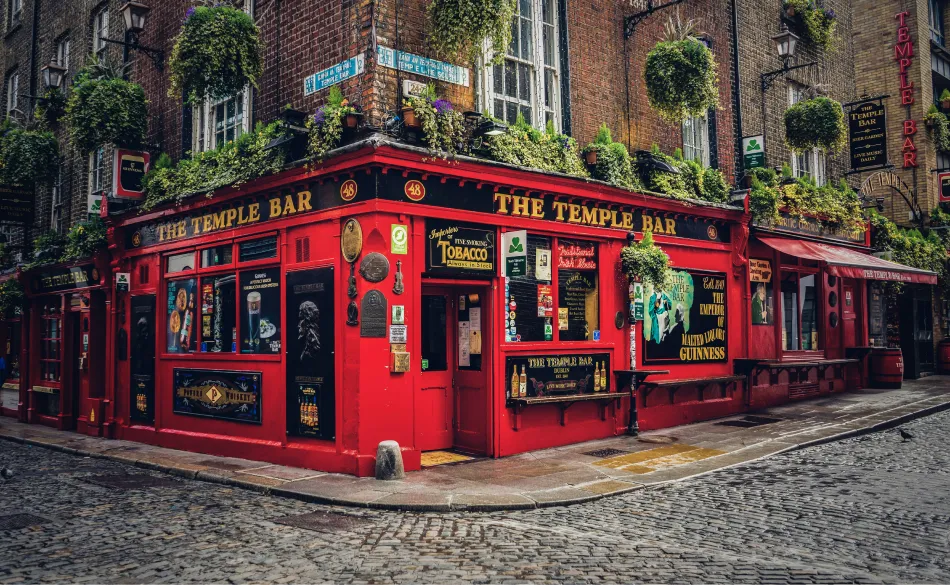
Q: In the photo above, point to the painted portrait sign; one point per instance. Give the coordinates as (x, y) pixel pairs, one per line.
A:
(685, 321)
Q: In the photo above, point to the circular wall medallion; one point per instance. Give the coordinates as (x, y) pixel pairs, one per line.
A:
(712, 232)
(374, 267)
(348, 190)
(137, 239)
(414, 190)
(351, 240)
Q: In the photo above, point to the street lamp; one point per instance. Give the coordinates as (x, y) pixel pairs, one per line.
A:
(53, 75)
(785, 42)
(135, 15)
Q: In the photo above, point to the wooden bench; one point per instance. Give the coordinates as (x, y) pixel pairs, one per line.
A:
(565, 401)
(701, 384)
(751, 367)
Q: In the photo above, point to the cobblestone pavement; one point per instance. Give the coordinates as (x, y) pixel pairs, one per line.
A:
(869, 509)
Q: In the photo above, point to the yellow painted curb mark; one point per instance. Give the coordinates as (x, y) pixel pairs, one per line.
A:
(433, 458)
(659, 458)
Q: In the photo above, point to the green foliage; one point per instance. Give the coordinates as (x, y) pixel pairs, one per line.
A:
(817, 25)
(614, 164)
(11, 296)
(836, 206)
(910, 247)
(51, 106)
(6, 256)
(105, 109)
(945, 95)
(443, 128)
(692, 182)
(163, 162)
(47, 249)
(217, 53)
(763, 200)
(525, 146)
(83, 240)
(231, 164)
(603, 135)
(645, 260)
(815, 123)
(681, 79)
(938, 128)
(325, 129)
(26, 156)
(714, 188)
(459, 28)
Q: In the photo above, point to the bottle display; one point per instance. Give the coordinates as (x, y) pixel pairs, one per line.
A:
(523, 383)
(515, 388)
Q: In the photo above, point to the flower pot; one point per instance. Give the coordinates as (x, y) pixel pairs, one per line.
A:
(945, 104)
(790, 12)
(409, 118)
(352, 121)
(590, 157)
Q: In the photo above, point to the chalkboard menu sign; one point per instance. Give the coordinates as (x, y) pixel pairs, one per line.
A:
(686, 321)
(537, 376)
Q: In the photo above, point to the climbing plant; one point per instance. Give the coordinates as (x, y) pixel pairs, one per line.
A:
(646, 261)
(103, 108)
(460, 28)
(815, 123)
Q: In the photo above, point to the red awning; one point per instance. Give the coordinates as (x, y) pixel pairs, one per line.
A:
(848, 263)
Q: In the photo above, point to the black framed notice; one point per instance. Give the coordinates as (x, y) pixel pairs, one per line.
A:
(311, 402)
(537, 376)
(867, 123)
(685, 321)
(454, 248)
(142, 362)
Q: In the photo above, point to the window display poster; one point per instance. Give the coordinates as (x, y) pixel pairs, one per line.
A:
(686, 321)
(142, 359)
(311, 406)
(465, 344)
(259, 305)
(542, 264)
(218, 394)
(181, 329)
(762, 310)
(545, 301)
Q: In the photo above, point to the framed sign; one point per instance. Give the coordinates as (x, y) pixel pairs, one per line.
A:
(867, 123)
(454, 248)
(129, 166)
(221, 394)
(69, 278)
(552, 375)
(16, 205)
(686, 321)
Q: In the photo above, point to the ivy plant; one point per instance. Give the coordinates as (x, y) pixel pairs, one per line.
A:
(692, 181)
(325, 129)
(51, 106)
(526, 146)
(229, 165)
(217, 54)
(646, 261)
(680, 75)
(837, 206)
(938, 128)
(83, 240)
(460, 28)
(816, 24)
(104, 108)
(11, 296)
(443, 128)
(614, 164)
(27, 156)
(815, 123)
(47, 249)
(911, 248)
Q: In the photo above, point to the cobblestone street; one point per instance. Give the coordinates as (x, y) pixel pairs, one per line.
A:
(868, 509)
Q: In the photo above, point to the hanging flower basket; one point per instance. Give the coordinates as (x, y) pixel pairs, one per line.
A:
(105, 109)
(815, 123)
(645, 261)
(443, 127)
(681, 76)
(460, 28)
(26, 156)
(816, 25)
(216, 55)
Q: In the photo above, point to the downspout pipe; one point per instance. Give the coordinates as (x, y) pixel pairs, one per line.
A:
(737, 92)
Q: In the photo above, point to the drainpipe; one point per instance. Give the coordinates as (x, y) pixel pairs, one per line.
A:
(737, 92)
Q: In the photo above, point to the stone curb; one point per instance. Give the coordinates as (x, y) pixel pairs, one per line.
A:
(449, 506)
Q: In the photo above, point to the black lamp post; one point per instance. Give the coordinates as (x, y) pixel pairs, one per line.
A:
(53, 75)
(135, 15)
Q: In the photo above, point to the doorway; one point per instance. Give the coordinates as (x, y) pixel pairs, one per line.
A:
(452, 405)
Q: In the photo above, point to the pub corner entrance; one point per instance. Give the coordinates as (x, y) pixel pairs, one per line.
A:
(452, 388)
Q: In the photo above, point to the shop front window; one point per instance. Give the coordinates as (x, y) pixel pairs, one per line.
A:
(800, 312)
(530, 299)
(577, 306)
(218, 314)
(51, 342)
(180, 262)
(181, 332)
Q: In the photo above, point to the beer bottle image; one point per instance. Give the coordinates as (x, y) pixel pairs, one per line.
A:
(523, 384)
(603, 376)
(514, 383)
(596, 377)
(186, 330)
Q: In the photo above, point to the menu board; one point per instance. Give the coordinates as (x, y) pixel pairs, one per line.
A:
(181, 329)
(577, 293)
(686, 321)
(260, 311)
(311, 406)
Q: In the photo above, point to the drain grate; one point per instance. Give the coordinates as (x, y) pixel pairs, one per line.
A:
(131, 481)
(18, 521)
(749, 421)
(603, 453)
(323, 521)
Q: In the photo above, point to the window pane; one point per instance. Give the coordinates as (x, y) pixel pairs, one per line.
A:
(577, 297)
(434, 353)
(525, 321)
(524, 82)
(216, 256)
(548, 41)
(511, 78)
(808, 295)
(499, 109)
(498, 72)
(218, 327)
(790, 312)
(180, 262)
(258, 249)
(511, 112)
(526, 112)
(181, 329)
(549, 87)
(513, 46)
(260, 311)
(526, 39)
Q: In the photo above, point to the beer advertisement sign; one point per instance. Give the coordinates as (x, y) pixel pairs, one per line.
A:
(553, 375)
(685, 321)
(458, 248)
(260, 311)
(227, 395)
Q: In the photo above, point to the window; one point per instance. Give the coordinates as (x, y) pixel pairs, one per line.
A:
(578, 308)
(181, 330)
(696, 139)
(51, 331)
(218, 322)
(180, 262)
(935, 16)
(434, 315)
(528, 80)
(96, 180)
(15, 13)
(257, 249)
(529, 318)
(799, 312)
(808, 164)
(13, 91)
(58, 202)
(62, 54)
(217, 256)
(100, 32)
